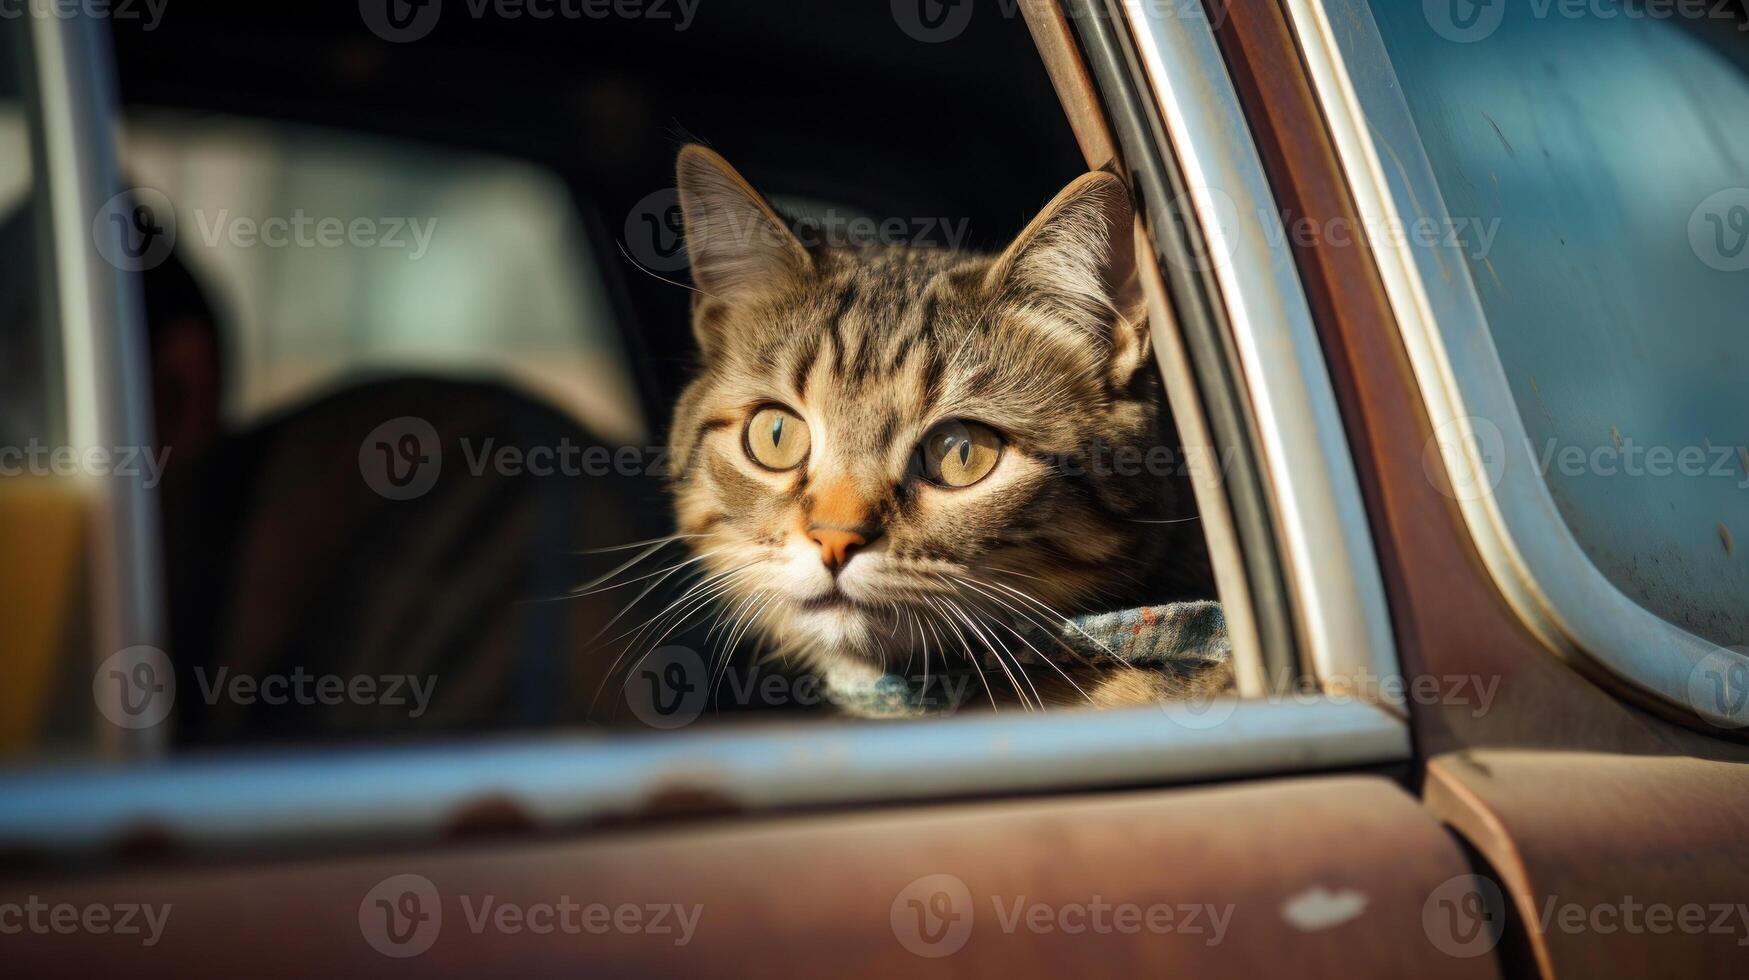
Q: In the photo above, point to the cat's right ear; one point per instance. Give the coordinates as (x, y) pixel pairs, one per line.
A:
(738, 246)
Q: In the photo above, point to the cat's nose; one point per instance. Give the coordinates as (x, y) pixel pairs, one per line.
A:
(836, 544)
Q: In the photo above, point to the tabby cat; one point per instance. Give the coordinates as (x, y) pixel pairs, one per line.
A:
(893, 454)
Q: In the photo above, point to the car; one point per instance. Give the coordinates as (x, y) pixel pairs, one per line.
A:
(1445, 299)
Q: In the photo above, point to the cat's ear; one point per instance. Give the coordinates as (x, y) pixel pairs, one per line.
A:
(738, 246)
(1076, 263)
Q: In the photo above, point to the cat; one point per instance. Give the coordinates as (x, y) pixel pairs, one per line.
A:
(893, 451)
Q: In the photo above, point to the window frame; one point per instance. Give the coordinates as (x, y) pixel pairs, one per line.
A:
(103, 343)
(1524, 542)
(421, 794)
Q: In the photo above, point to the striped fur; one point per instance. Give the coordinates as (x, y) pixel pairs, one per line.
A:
(1044, 343)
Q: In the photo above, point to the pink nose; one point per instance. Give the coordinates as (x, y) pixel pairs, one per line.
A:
(836, 546)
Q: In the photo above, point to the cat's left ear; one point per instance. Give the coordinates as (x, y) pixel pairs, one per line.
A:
(1076, 263)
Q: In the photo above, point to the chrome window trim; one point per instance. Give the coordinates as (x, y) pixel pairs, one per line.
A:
(409, 796)
(1321, 521)
(104, 350)
(1523, 539)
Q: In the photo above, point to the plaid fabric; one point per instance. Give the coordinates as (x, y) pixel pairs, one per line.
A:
(1148, 636)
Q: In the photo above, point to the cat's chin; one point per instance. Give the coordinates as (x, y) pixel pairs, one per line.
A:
(838, 632)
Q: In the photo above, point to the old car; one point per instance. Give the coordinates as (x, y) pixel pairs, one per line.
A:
(1447, 300)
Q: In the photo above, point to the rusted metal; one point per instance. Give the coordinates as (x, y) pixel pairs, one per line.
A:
(1316, 877)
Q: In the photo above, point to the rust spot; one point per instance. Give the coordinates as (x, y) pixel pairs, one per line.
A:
(489, 817)
(671, 804)
(145, 841)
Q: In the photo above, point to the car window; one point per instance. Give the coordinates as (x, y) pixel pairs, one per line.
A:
(1595, 169)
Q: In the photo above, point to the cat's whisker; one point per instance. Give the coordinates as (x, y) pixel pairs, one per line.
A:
(653, 586)
(992, 647)
(706, 588)
(966, 648)
(1057, 615)
(596, 588)
(641, 268)
(1017, 635)
(665, 539)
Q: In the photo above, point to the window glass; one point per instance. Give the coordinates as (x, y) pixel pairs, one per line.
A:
(1597, 170)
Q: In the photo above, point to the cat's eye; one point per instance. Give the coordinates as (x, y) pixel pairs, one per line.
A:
(777, 438)
(959, 453)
